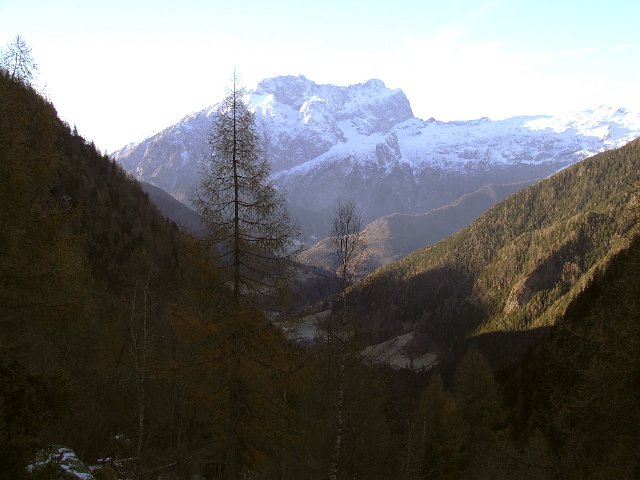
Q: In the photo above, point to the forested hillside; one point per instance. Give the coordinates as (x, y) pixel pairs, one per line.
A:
(92, 280)
(576, 395)
(114, 334)
(512, 272)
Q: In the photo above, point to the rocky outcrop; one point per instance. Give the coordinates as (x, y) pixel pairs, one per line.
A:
(558, 269)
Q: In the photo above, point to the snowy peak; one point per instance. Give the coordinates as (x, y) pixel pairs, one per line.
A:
(303, 120)
(613, 126)
(288, 90)
(371, 101)
(295, 91)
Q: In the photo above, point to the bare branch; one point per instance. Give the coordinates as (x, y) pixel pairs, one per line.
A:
(17, 61)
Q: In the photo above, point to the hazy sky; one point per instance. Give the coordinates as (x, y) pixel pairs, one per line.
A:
(121, 70)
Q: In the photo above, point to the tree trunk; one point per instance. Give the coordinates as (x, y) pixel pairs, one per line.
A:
(232, 430)
(231, 466)
(139, 350)
(337, 445)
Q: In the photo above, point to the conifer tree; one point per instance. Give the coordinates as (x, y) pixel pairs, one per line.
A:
(439, 432)
(479, 408)
(254, 241)
(249, 226)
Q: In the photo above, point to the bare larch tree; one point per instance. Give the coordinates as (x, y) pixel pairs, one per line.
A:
(252, 237)
(250, 228)
(17, 61)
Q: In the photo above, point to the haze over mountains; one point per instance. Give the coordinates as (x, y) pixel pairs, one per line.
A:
(362, 142)
(392, 237)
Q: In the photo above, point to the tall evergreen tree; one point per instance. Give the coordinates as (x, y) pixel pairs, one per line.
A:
(247, 217)
(253, 239)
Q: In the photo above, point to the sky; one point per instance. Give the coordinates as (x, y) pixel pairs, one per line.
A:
(121, 70)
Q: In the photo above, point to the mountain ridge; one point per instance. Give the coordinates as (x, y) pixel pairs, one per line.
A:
(363, 143)
(516, 267)
(392, 237)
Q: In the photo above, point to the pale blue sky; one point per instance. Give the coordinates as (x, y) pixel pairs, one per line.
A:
(120, 70)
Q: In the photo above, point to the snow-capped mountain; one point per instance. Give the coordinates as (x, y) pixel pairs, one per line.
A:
(363, 142)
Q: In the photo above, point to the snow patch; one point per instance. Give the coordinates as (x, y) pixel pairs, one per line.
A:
(63, 459)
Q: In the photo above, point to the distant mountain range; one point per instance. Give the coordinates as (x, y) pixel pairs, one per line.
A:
(362, 142)
(392, 237)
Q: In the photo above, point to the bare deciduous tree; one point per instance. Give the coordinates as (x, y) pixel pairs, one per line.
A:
(349, 243)
(349, 250)
(17, 61)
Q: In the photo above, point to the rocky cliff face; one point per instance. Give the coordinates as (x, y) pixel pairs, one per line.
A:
(362, 142)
